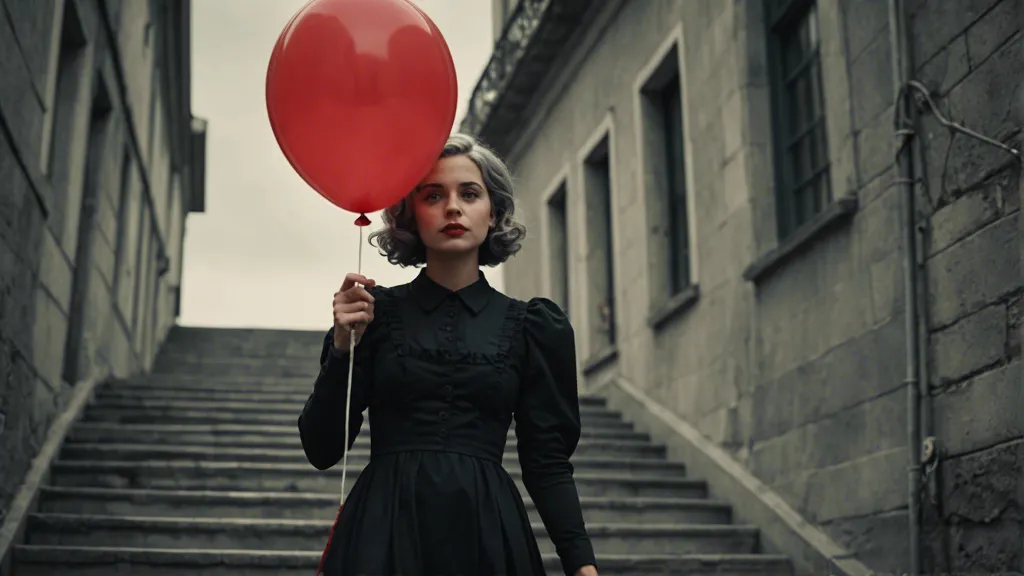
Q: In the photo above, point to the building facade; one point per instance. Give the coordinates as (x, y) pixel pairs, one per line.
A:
(101, 161)
(716, 192)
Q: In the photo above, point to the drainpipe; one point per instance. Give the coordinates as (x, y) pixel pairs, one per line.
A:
(902, 69)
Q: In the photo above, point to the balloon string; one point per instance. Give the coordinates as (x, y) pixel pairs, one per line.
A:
(348, 390)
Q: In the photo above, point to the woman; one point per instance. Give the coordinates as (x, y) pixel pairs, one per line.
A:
(444, 364)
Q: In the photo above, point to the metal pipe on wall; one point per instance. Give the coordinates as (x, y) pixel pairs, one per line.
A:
(902, 69)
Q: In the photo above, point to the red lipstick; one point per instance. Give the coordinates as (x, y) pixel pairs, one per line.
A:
(454, 229)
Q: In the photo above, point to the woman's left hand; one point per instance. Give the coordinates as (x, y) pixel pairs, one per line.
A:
(588, 570)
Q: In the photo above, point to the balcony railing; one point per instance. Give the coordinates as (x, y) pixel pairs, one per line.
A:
(535, 34)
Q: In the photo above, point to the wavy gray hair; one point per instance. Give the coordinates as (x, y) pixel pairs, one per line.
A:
(400, 241)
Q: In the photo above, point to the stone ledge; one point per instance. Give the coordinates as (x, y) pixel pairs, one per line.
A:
(782, 528)
(839, 211)
(675, 306)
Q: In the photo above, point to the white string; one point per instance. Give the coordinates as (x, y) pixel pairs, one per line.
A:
(348, 391)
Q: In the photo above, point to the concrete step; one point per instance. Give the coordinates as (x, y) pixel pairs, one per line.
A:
(225, 432)
(291, 350)
(188, 353)
(270, 447)
(196, 382)
(359, 458)
(173, 351)
(250, 340)
(216, 367)
(305, 506)
(88, 434)
(224, 394)
(290, 408)
(83, 561)
(279, 477)
(197, 468)
(213, 390)
(172, 415)
(294, 390)
(281, 534)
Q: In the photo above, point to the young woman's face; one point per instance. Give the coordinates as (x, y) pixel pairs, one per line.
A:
(452, 207)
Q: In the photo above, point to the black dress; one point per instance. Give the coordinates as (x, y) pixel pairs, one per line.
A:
(443, 375)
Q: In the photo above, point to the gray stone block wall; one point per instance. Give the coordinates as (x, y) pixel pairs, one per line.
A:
(972, 61)
(62, 163)
(801, 372)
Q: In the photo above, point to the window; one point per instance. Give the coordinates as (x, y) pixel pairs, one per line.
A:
(558, 248)
(155, 125)
(99, 132)
(68, 73)
(68, 105)
(801, 150)
(675, 172)
(600, 273)
(127, 237)
(150, 299)
(142, 271)
(664, 158)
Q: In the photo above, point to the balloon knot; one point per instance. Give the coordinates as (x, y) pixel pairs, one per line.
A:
(362, 220)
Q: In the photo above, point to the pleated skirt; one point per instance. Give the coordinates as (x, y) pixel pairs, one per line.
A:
(429, 513)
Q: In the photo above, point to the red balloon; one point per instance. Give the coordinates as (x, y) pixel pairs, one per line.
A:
(361, 96)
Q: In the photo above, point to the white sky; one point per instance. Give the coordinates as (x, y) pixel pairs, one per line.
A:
(269, 252)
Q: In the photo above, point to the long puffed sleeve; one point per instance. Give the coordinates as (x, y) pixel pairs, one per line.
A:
(321, 425)
(548, 429)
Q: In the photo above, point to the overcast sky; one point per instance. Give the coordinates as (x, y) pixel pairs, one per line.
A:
(269, 252)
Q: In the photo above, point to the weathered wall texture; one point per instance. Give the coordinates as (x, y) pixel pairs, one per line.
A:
(971, 56)
(92, 206)
(800, 371)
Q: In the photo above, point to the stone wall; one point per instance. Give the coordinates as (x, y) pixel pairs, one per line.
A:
(974, 282)
(792, 354)
(92, 205)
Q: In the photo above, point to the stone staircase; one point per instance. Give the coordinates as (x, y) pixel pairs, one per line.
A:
(197, 469)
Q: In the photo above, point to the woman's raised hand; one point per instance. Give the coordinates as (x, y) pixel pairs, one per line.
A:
(353, 308)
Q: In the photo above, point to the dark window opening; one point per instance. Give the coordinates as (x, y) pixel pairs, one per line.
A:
(801, 148)
(600, 259)
(558, 247)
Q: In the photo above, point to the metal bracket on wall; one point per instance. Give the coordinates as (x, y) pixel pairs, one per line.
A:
(923, 99)
(930, 463)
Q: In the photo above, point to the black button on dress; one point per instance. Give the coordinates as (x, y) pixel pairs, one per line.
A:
(443, 375)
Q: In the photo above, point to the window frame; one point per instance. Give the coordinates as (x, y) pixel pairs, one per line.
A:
(598, 164)
(559, 187)
(596, 357)
(677, 190)
(782, 18)
(667, 298)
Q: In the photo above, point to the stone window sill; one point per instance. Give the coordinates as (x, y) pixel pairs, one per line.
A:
(601, 358)
(675, 306)
(838, 212)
